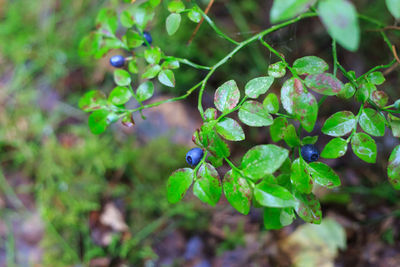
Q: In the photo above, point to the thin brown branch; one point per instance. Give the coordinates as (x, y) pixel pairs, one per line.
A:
(201, 21)
(395, 54)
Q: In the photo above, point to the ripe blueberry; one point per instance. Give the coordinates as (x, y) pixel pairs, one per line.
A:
(148, 37)
(117, 61)
(194, 156)
(309, 153)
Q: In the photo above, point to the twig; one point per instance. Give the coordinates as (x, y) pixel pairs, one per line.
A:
(395, 54)
(201, 22)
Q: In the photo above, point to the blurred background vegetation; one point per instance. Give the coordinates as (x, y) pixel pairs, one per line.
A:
(70, 198)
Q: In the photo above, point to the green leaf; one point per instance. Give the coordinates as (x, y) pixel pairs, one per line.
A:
(376, 77)
(347, 91)
(324, 83)
(310, 65)
(364, 92)
(92, 100)
(252, 113)
(210, 114)
(308, 208)
(178, 183)
(380, 98)
(152, 55)
(132, 66)
(278, 128)
(172, 23)
(277, 70)
(340, 19)
(323, 175)
(145, 91)
(336, 148)
(262, 160)
(151, 71)
(372, 122)
(122, 77)
(309, 140)
(107, 22)
(230, 129)
(126, 19)
(132, 39)
(271, 103)
(120, 95)
(339, 124)
(194, 15)
(364, 147)
(273, 195)
(227, 96)
(291, 137)
(394, 125)
(258, 86)
(393, 169)
(141, 16)
(300, 176)
(284, 10)
(176, 6)
(90, 44)
(276, 218)
(208, 186)
(167, 78)
(99, 120)
(394, 7)
(237, 191)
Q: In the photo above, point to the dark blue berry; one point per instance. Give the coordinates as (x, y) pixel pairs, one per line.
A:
(148, 37)
(309, 153)
(117, 61)
(194, 156)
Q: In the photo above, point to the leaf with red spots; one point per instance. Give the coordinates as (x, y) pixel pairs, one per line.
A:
(227, 96)
(364, 147)
(380, 98)
(207, 186)
(273, 195)
(308, 208)
(300, 176)
(323, 174)
(393, 169)
(324, 83)
(237, 191)
(178, 183)
(305, 106)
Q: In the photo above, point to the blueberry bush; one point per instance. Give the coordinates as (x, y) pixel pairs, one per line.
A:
(279, 176)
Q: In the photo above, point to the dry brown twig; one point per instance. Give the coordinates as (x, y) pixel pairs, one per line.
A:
(201, 21)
